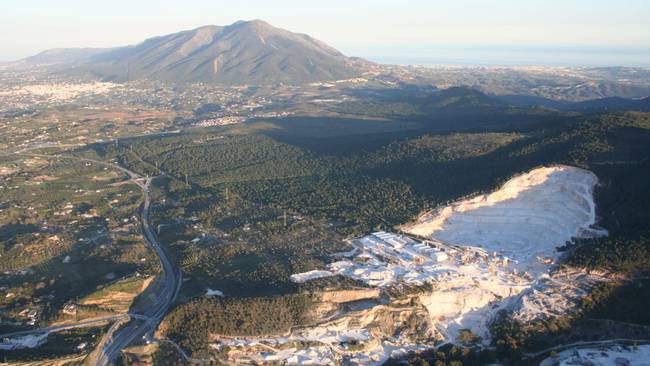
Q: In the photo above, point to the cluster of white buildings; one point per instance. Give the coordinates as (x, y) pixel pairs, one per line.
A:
(233, 119)
(221, 121)
(32, 314)
(383, 259)
(400, 249)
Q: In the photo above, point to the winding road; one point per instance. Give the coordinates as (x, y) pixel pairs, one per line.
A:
(144, 324)
(124, 336)
(140, 325)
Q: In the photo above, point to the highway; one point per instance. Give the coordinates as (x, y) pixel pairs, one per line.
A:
(118, 339)
(141, 325)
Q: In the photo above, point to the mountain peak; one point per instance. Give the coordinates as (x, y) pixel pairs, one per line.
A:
(245, 52)
(251, 23)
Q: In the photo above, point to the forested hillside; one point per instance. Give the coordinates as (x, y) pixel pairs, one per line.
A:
(244, 181)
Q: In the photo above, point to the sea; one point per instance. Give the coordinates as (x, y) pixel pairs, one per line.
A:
(505, 56)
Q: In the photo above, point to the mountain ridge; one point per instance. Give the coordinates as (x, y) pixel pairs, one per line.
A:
(65, 55)
(597, 105)
(245, 52)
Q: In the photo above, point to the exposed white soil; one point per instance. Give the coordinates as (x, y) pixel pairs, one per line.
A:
(330, 341)
(602, 356)
(485, 254)
(311, 275)
(555, 294)
(526, 219)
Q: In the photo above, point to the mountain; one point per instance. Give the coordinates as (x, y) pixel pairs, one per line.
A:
(246, 52)
(65, 56)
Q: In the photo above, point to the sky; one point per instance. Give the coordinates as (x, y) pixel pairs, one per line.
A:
(615, 32)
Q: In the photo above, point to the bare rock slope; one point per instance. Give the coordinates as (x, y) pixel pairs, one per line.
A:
(528, 217)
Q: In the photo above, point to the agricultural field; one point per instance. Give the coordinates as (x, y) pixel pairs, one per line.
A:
(71, 126)
(71, 243)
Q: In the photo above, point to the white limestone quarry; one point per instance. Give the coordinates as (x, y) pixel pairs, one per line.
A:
(555, 294)
(328, 342)
(493, 252)
(526, 219)
(468, 284)
(523, 222)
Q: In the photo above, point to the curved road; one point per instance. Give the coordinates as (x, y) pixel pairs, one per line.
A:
(146, 324)
(140, 325)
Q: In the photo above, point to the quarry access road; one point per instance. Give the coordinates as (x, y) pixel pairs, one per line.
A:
(585, 344)
(57, 328)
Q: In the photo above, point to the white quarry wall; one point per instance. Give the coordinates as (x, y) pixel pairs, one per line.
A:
(528, 217)
(487, 253)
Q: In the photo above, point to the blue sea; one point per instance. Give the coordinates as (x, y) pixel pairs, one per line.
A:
(505, 56)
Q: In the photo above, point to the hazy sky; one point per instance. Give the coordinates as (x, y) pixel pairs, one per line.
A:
(357, 27)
